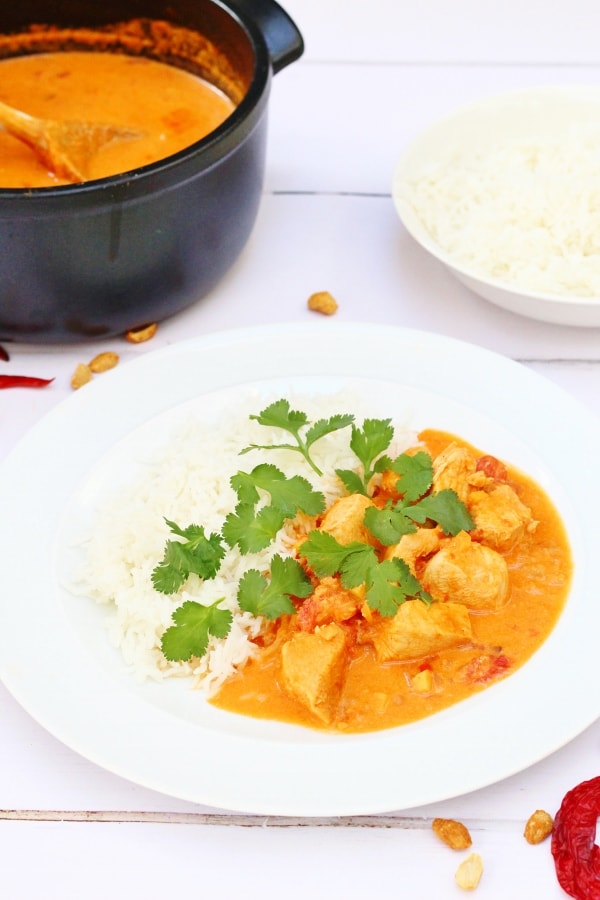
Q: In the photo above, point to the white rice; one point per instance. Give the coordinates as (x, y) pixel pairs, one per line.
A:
(525, 213)
(187, 481)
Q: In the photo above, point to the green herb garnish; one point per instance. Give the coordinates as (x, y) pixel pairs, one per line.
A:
(254, 530)
(193, 624)
(388, 583)
(271, 597)
(197, 554)
(280, 415)
(367, 443)
(266, 498)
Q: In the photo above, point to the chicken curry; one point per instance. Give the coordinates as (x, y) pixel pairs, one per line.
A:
(487, 598)
(166, 107)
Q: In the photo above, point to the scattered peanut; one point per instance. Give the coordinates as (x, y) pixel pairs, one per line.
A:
(104, 361)
(453, 833)
(139, 335)
(468, 875)
(81, 376)
(538, 827)
(323, 302)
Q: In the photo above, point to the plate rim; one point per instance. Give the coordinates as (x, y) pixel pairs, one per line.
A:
(233, 793)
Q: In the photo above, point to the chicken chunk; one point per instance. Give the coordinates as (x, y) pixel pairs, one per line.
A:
(412, 547)
(312, 669)
(452, 469)
(419, 630)
(467, 572)
(344, 520)
(501, 519)
(329, 602)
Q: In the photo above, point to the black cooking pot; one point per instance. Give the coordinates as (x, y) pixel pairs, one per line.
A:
(81, 262)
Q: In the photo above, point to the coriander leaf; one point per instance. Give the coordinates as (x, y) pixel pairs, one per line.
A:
(384, 594)
(245, 487)
(351, 481)
(388, 524)
(198, 554)
(252, 531)
(288, 576)
(324, 554)
(446, 509)
(391, 584)
(296, 493)
(327, 426)
(383, 463)
(416, 474)
(280, 415)
(287, 494)
(357, 566)
(193, 624)
(271, 597)
(370, 442)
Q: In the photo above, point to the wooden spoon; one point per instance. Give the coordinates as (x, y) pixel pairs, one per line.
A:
(64, 147)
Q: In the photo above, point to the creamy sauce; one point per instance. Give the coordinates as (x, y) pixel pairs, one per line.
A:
(170, 107)
(379, 695)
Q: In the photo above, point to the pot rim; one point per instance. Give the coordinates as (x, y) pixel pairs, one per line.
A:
(214, 145)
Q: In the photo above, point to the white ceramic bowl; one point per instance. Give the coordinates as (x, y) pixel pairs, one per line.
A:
(484, 126)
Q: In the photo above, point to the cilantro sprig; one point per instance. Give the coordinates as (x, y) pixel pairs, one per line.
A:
(197, 554)
(193, 623)
(271, 597)
(251, 526)
(253, 530)
(266, 498)
(367, 443)
(280, 415)
(416, 504)
(388, 584)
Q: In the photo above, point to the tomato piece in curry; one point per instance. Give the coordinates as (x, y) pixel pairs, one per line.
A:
(497, 592)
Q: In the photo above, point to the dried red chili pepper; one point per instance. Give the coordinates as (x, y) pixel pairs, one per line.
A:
(576, 855)
(26, 381)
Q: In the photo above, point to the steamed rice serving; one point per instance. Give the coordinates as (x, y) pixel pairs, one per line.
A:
(188, 481)
(525, 213)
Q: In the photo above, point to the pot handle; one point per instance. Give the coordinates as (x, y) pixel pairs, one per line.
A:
(283, 39)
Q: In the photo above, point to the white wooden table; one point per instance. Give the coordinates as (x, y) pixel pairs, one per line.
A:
(372, 77)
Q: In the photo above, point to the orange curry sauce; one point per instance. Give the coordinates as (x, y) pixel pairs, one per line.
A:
(377, 695)
(170, 107)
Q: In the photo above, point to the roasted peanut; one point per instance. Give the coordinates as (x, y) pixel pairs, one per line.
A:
(454, 834)
(538, 827)
(139, 335)
(468, 875)
(104, 361)
(81, 376)
(323, 302)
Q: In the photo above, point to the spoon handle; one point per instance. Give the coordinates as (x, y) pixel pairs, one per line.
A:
(19, 124)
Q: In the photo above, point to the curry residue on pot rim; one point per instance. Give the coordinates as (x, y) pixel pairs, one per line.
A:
(170, 84)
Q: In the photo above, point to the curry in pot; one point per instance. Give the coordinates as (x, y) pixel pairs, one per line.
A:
(169, 109)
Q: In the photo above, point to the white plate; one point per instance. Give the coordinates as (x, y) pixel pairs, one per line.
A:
(54, 653)
(485, 126)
